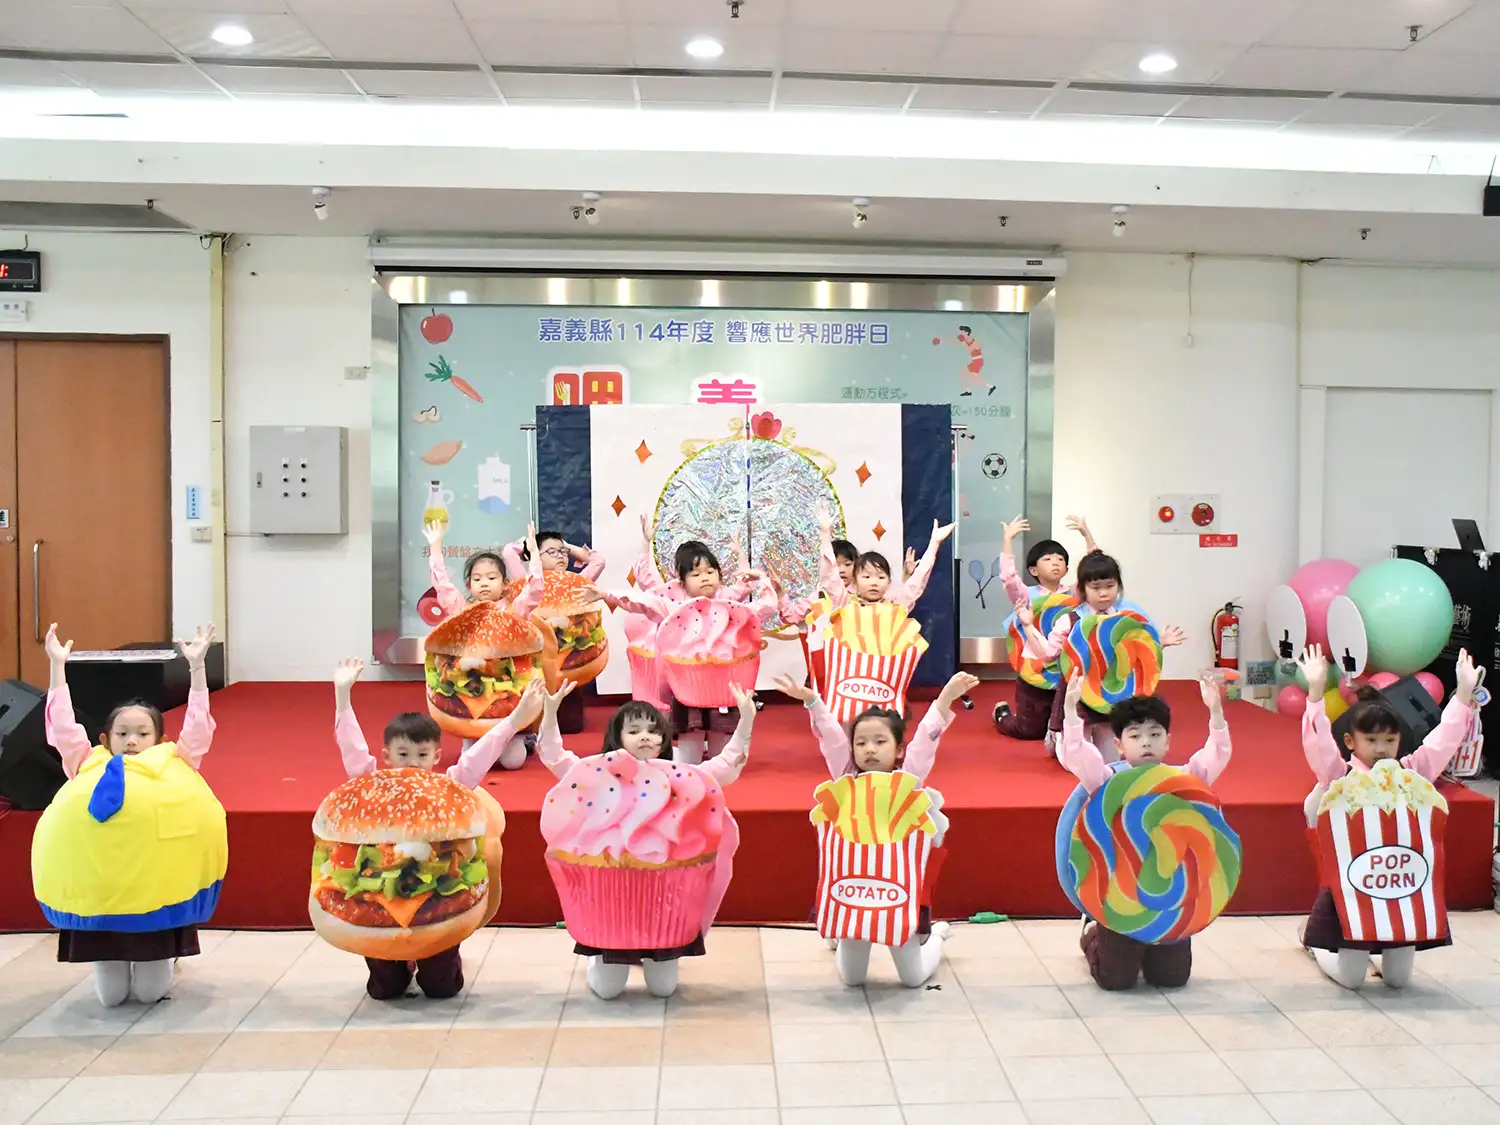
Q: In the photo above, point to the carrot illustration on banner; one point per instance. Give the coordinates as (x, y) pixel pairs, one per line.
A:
(443, 373)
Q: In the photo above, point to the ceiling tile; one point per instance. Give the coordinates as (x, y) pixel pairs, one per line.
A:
(1362, 111)
(32, 73)
(706, 90)
(1094, 103)
(975, 56)
(1058, 19)
(933, 16)
(1466, 117)
(1436, 72)
(110, 78)
(78, 27)
(276, 36)
(1121, 62)
(425, 84)
(1457, 134)
(859, 52)
(705, 15)
(552, 44)
(1270, 110)
(803, 92)
(1478, 29)
(1363, 24)
(978, 99)
(279, 80)
(1227, 22)
(566, 87)
(539, 11)
(393, 40)
(1301, 68)
(745, 48)
(236, 7)
(1343, 132)
(380, 9)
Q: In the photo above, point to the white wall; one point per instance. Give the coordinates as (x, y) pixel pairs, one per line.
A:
(144, 284)
(1140, 413)
(297, 313)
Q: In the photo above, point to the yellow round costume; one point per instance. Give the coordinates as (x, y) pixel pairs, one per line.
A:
(131, 844)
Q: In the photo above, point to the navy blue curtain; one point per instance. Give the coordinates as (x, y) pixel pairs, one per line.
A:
(927, 495)
(564, 494)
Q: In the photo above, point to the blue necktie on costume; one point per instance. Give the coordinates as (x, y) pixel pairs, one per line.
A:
(109, 794)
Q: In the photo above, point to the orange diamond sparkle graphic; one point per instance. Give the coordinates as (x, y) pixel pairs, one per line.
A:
(630, 578)
(863, 472)
(878, 530)
(618, 505)
(643, 451)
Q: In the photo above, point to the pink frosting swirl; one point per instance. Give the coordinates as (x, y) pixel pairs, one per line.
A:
(701, 630)
(653, 811)
(640, 632)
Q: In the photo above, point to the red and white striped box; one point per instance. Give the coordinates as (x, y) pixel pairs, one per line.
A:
(872, 892)
(854, 681)
(1386, 872)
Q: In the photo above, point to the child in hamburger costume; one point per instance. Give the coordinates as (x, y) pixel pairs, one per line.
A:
(640, 848)
(570, 618)
(352, 851)
(557, 554)
(1366, 775)
(128, 859)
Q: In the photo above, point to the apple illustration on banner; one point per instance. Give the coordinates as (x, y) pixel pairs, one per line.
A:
(437, 328)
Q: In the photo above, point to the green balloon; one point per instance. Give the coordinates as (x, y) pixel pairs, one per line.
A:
(1408, 614)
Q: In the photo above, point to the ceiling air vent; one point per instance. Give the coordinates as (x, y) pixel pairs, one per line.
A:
(18, 214)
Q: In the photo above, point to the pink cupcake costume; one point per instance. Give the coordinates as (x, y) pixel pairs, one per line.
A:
(641, 853)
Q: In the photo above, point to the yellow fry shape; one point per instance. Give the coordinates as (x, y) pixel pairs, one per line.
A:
(873, 808)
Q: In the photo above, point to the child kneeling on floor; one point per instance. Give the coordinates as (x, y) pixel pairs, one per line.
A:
(1142, 728)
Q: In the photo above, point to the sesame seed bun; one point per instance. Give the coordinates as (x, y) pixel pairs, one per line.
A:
(563, 594)
(399, 806)
(485, 631)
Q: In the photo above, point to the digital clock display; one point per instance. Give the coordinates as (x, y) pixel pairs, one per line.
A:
(20, 271)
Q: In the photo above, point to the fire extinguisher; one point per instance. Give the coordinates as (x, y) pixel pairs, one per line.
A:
(1225, 630)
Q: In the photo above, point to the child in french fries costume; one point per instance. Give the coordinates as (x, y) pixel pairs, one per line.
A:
(1375, 824)
(880, 833)
(870, 654)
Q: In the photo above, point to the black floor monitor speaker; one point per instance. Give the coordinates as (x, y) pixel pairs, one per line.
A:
(30, 770)
(1415, 710)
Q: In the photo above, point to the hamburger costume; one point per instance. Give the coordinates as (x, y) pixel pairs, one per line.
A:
(478, 664)
(405, 866)
(641, 853)
(128, 859)
(574, 646)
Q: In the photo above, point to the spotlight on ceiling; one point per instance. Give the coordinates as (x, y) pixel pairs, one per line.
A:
(1119, 211)
(232, 35)
(705, 48)
(1158, 63)
(861, 216)
(588, 211)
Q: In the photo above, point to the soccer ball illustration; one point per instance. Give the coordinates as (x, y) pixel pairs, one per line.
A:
(993, 465)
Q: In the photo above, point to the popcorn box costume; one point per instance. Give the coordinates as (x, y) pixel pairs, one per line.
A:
(705, 647)
(641, 853)
(132, 844)
(1379, 846)
(877, 860)
(870, 654)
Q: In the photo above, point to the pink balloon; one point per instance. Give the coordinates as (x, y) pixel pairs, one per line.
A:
(1382, 680)
(1347, 690)
(1433, 685)
(1317, 583)
(1291, 700)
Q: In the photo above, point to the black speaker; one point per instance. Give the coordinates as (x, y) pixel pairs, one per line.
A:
(1416, 712)
(30, 770)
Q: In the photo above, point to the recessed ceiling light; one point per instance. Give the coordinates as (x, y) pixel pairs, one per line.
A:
(705, 48)
(232, 35)
(1158, 64)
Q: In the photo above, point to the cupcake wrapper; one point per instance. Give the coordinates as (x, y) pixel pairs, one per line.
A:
(632, 907)
(645, 677)
(707, 685)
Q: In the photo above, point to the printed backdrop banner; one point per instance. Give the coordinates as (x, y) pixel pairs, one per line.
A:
(707, 472)
(470, 376)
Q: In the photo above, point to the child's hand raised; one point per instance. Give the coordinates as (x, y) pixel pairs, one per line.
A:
(1468, 676)
(788, 686)
(745, 701)
(646, 532)
(432, 531)
(1024, 614)
(1074, 693)
(529, 706)
(1017, 526)
(956, 688)
(1314, 666)
(196, 649)
(1210, 687)
(57, 651)
(825, 522)
(909, 564)
(346, 672)
(552, 699)
(1172, 635)
(940, 532)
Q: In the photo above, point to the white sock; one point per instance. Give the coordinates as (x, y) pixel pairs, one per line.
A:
(150, 981)
(1348, 967)
(661, 976)
(513, 757)
(112, 982)
(607, 981)
(1397, 965)
(852, 957)
(917, 960)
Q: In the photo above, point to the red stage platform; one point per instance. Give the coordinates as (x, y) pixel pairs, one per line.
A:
(274, 759)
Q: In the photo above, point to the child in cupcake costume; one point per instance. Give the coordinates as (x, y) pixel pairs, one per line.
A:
(1365, 775)
(128, 859)
(876, 743)
(641, 849)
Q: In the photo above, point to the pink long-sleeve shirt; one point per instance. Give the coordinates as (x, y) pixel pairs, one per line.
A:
(833, 741)
(1082, 758)
(515, 564)
(453, 600)
(794, 611)
(1328, 764)
(905, 595)
(71, 741)
(724, 767)
(1017, 590)
(468, 771)
(659, 606)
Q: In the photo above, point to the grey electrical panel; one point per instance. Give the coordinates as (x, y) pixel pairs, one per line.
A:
(299, 480)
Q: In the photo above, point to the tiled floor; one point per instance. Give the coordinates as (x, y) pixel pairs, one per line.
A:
(275, 1028)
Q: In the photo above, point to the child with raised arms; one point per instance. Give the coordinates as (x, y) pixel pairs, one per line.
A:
(556, 554)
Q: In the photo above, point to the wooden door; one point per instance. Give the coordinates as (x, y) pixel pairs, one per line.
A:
(93, 477)
(10, 549)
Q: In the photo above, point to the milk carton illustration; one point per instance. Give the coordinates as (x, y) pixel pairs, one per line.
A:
(494, 486)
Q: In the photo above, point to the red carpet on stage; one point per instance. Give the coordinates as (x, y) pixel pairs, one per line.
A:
(274, 760)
